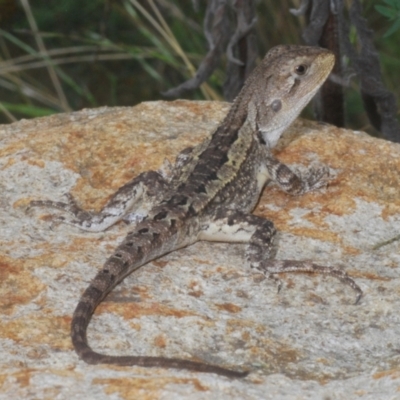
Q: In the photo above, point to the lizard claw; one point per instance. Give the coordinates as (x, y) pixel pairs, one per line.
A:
(316, 177)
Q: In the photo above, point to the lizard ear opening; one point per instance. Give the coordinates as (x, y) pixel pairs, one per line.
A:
(276, 105)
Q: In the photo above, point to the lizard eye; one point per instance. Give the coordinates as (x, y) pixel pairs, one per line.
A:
(301, 69)
(276, 105)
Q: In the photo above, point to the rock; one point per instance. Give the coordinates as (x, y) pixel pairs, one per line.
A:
(202, 302)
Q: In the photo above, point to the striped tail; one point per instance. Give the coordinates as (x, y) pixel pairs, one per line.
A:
(118, 266)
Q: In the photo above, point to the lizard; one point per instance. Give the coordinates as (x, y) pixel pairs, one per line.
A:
(209, 194)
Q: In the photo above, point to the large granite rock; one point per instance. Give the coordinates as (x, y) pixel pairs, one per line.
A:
(202, 302)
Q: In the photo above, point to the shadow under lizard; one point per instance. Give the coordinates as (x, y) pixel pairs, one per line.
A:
(209, 194)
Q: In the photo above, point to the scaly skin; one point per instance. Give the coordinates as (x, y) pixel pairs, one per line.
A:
(210, 194)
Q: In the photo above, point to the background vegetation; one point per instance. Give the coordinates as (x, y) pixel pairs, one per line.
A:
(122, 52)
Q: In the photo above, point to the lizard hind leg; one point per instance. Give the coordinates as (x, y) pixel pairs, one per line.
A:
(125, 204)
(270, 267)
(259, 233)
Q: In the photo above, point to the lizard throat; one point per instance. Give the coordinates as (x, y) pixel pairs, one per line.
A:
(271, 137)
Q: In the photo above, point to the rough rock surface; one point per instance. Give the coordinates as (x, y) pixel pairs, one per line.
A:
(308, 341)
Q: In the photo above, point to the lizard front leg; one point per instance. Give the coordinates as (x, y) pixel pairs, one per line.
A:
(259, 233)
(125, 204)
(296, 183)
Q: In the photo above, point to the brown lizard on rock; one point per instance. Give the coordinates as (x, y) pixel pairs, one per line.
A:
(210, 193)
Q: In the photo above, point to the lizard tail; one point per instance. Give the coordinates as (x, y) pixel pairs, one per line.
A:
(91, 298)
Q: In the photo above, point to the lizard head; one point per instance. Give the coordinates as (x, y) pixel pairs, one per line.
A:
(282, 85)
